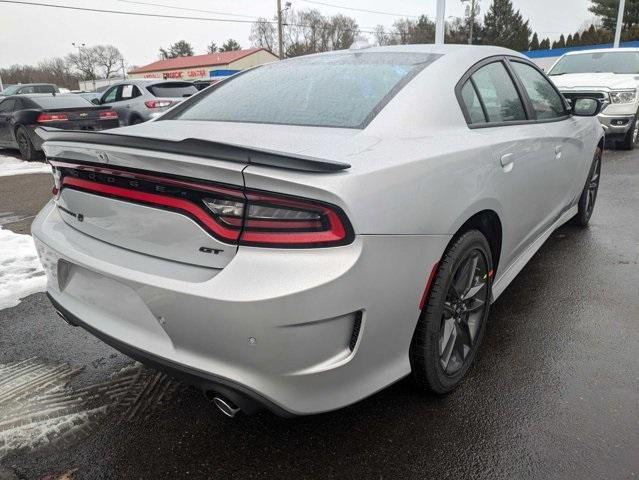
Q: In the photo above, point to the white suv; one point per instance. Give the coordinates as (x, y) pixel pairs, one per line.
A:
(611, 75)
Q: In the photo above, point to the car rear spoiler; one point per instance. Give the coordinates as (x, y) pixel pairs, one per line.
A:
(197, 148)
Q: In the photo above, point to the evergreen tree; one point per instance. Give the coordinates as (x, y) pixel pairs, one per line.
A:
(505, 27)
(545, 44)
(211, 48)
(562, 41)
(607, 10)
(576, 39)
(230, 45)
(180, 48)
(569, 41)
(534, 43)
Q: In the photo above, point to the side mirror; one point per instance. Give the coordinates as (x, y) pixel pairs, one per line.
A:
(95, 101)
(586, 107)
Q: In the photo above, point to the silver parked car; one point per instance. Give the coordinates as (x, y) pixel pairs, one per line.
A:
(312, 230)
(137, 101)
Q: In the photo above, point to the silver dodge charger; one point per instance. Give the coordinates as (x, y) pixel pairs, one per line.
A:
(308, 232)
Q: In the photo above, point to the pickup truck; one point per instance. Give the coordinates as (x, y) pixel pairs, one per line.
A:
(611, 75)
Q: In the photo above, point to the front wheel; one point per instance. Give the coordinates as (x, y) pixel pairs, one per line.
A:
(589, 193)
(629, 141)
(451, 327)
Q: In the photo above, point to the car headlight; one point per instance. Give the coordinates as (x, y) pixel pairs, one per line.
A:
(623, 96)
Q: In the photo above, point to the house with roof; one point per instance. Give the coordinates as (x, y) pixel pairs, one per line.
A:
(204, 67)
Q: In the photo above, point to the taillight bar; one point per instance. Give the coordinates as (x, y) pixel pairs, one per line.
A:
(108, 115)
(52, 117)
(158, 103)
(231, 214)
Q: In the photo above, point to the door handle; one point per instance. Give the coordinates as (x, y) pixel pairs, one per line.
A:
(558, 149)
(507, 162)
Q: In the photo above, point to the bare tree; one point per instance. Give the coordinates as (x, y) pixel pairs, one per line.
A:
(108, 58)
(381, 36)
(263, 34)
(306, 31)
(85, 63)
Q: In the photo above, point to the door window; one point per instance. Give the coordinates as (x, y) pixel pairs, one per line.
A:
(546, 102)
(111, 95)
(498, 93)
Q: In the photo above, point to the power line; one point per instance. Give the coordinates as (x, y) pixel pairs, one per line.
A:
(187, 9)
(155, 15)
(378, 12)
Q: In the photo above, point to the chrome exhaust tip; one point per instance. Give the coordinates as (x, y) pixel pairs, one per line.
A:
(227, 407)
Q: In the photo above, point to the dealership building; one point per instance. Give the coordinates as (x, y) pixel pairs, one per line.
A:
(214, 66)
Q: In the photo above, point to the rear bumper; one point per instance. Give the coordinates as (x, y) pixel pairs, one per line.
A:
(298, 331)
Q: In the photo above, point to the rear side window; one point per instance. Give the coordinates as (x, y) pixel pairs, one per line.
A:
(498, 94)
(44, 89)
(473, 105)
(129, 92)
(545, 100)
(339, 90)
(172, 90)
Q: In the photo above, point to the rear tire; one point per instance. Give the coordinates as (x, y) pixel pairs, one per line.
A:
(629, 141)
(27, 151)
(451, 327)
(589, 193)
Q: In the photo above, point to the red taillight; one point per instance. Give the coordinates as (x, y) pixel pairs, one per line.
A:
(273, 220)
(108, 115)
(157, 103)
(52, 117)
(228, 213)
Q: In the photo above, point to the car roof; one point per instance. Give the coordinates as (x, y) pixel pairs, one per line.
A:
(603, 50)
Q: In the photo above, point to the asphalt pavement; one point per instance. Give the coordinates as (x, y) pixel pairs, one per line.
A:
(554, 393)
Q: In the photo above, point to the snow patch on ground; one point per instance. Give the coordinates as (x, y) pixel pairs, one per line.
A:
(38, 407)
(15, 166)
(21, 273)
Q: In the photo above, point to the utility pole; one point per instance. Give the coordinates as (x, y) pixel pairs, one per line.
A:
(280, 42)
(440, 25)
(472, 22)
(622, 7)
(279, 29)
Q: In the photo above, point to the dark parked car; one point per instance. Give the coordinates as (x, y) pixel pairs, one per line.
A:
(29, 88)
(20, 115)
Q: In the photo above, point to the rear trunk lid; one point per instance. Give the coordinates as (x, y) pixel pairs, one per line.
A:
(141, 193)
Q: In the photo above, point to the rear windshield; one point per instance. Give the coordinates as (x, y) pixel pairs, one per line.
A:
(608, 62)
(172, 90)
(341, 90)
(71, 101)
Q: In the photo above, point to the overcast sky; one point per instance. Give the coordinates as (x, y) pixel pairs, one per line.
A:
(29, 34)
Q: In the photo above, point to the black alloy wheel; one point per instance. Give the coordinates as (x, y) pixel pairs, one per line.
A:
(452, 325)
(589, 194)
(463, 311)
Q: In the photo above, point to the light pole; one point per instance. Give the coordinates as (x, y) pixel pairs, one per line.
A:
(80, 47)
(280, 42)
(622, 7)
(440, 24)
